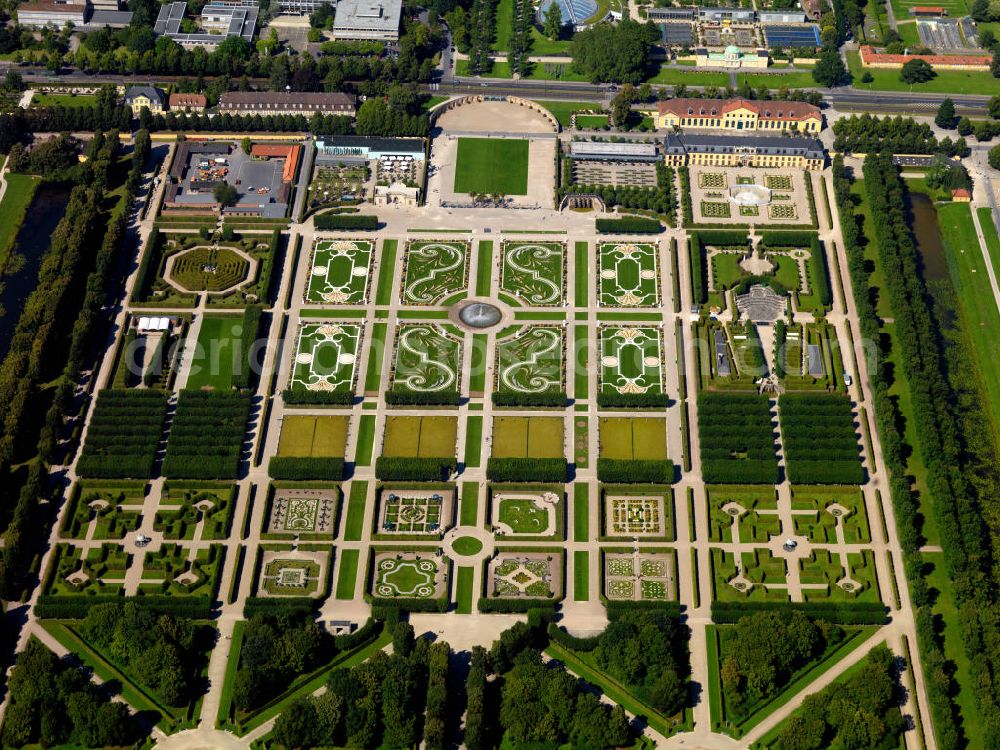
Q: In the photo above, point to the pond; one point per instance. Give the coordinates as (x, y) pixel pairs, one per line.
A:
(927, 236)
(33, 240)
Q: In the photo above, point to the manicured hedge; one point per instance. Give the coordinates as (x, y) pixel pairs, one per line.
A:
(302, 467)
(510, 606)
(546, 398)
(629, 225)
(274, 606)
(855, 613)
(318, 398)
(737, 439)
(725, 237)
(413, 605)
(401, 397)
(527, 470)
(699, 269)
(76, 607)
(623, 471)
(243, 375)
(413, 469)
(619, 607)
(820, 272)
(615, 400)
(788, 239)
(572, 642)
(124, 434)
(819, 439)
(207, 435)
(330, 222)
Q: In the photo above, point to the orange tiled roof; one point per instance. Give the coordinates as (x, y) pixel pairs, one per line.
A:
(768, 110)
(870, 56)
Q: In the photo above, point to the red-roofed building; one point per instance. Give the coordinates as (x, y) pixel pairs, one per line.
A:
(739, 114)
(872, 58)
(287, 151)
(188, 102)
(928, 11)
(961, 195)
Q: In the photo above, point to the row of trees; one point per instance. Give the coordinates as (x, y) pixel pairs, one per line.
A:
(207, 435)
(522, 22)
(819, 439)
(737, 439)
(620, 53)
(124, 434)
(479, 35)
(900, 135)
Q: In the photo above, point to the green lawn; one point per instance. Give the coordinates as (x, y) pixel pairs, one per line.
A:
(581, 383)
(473, 441)
(946, 81)
(477, 378)
(16, 199)
(972, 284)
(308, 436)
(492, 165)
(463, 590)
(563, 111)
(356, 512)
(63, 100)
(348, 573)
(582, 277)
(470, 503)
(528, 437)
(373, 377)
(366, 440)
(581, 512)
(581, 576)
(793, 80)
(386, 271)
(484, 269)
(674, 77)
(219, 356)
(226, 701)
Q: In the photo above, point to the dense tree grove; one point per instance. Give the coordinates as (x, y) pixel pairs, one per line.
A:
(619, 53)
(54, 703)
(861, 713)
(276, 650)
(161, 652)
(901, 135)
(765, 649)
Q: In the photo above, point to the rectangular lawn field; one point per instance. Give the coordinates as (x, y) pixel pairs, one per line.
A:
(316, 437)
(218, 344)
(628, 438)
(423, 437)
(492, 165)
(528, 437)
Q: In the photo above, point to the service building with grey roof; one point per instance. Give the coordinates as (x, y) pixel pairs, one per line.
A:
(368, 19)
(219, 21)
(287, 103)
(605, 151)
(743, 151)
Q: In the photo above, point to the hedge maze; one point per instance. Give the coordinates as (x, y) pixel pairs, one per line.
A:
(112, 508)
(124, 434)
(207, 435)
(210, 269)
(737, 439)
(820, 439)
(340, 272)
(432, 270)
(534, 272)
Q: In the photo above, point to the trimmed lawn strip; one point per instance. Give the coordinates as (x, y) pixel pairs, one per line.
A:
(226, 701)
(373, 376)
(311, 683)
(611, 688)
(356, 512)
(347, 576)
(581, 384)
(477, 380)
(366, 440)
(954, 648)
(463, 590)
(470, 503)
(492, 165)
(581, 576)
(385, 273)
(563, 111)
(973, 292)
(581, 512)
(484, 270)
(473, 441)
(582, 278)
(18, 196)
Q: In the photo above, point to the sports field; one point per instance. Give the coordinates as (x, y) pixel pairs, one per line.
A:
(628, 438)
(313, 437)
(423, 437)
(527, 437)
(492, 165)
(340, 271)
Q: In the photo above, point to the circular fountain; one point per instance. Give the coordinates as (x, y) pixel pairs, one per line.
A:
(481, 314)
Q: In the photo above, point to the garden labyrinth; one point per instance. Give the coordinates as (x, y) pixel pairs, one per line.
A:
(326, 357)
(628, 274)
(531, 361)
(339, 272)
(534, 272)
(631, 360)
(433, 270)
